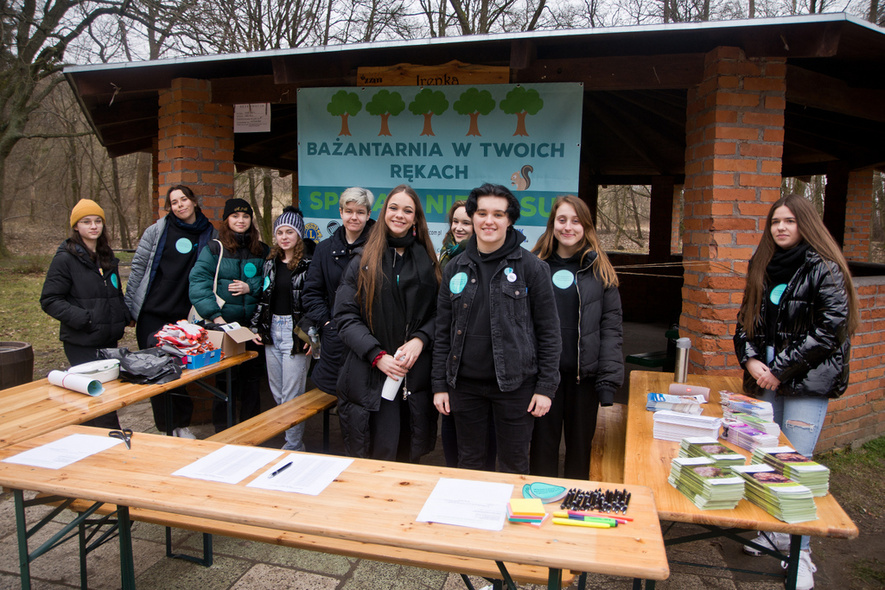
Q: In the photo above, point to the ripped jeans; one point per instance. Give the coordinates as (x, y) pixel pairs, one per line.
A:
(801, 418)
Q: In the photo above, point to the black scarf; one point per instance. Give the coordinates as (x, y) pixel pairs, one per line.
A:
(407, 296)
(783, 265)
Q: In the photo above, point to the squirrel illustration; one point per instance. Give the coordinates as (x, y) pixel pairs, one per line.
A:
(521, 179)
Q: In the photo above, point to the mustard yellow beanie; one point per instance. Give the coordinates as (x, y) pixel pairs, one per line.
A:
(86, 207)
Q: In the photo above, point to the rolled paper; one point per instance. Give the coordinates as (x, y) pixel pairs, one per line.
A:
(76, 382)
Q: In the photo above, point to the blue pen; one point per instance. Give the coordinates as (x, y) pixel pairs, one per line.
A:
(281, 469)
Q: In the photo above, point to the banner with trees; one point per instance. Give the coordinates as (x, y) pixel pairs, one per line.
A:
(443, 141)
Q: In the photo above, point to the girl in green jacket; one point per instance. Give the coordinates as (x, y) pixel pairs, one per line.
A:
(239, 286)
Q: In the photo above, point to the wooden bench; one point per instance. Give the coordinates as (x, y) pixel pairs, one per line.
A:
(264, 427)
(272, 422)
(607, 454)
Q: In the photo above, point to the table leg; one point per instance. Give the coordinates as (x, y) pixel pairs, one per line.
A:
(21, 528)
(326, 431)
(127, 566)
(230, 398)
(554, 579)
(793, 562)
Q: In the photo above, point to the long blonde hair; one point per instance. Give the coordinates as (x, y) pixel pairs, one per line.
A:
(371, 272)
(547, 243)
(815, 233)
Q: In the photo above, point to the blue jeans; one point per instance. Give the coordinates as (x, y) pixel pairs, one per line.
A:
(286, 372)
(801, 418)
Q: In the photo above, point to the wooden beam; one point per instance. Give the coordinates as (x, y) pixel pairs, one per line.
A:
(836, 200)
(811, 89)
(252, 89)
(619, 73)
(661, 218)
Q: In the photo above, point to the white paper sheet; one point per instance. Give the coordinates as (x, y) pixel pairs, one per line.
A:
(461, 502)
(76, 382)
(307, 474)
(65, 451)
(229, 464)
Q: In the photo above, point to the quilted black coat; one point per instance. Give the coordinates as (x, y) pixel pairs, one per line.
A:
(811, 345)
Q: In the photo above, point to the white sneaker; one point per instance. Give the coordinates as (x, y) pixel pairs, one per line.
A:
(805, 575)
(779, 541)
(183, 432)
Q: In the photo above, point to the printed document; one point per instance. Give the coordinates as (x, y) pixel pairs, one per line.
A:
(229, 464)
(65, 451)
(475, 504)
(303, 474)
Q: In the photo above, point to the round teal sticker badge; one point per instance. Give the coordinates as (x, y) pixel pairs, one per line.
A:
(777, 293)
(563, 279)
(458, 282)
(250, 270)
(184, 245)
(114, 281)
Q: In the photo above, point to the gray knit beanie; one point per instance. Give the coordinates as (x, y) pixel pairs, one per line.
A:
(290, 217)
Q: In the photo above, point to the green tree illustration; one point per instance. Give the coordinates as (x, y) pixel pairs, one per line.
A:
(384, 104)
(522, 102)
(474, 102)
(428, 103)
(344, 104)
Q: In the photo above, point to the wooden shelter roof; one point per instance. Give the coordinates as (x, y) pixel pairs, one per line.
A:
(635, 82)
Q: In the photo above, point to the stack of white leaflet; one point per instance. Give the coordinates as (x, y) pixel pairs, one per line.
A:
(675, 426)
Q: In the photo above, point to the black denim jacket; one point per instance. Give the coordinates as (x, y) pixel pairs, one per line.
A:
(526, 338)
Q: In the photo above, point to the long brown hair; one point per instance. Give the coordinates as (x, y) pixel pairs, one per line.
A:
(451, 217)
(297, 254)
(371, 273)
(253, 241)
(547, 243)
(813, 231)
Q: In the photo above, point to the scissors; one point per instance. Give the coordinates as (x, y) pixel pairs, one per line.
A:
(125, 435)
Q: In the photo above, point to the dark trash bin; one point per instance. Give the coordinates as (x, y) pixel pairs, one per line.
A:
(16, 364)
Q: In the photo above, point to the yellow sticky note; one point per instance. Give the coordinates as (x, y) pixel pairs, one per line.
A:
(527, 507)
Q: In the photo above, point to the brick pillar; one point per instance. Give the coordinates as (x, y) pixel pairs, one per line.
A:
(734, 145)
(859, 215)
(196, 144)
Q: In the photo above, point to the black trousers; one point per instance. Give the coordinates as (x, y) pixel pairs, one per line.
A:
(574, 409)
(472, 404)
(389, 429)
(245, 390)
(450, 442)
(182, 404)
(77, 355)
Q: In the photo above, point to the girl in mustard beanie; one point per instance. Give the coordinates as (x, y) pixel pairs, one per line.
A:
(83, 291)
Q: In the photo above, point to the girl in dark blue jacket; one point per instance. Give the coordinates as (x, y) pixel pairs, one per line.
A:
(591, 366)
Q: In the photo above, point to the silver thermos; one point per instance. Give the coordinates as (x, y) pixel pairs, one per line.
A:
(680, 374)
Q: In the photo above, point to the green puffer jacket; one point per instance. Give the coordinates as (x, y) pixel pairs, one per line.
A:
(239, 265)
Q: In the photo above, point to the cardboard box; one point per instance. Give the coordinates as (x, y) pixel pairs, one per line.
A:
(198, 361)
(231, 342)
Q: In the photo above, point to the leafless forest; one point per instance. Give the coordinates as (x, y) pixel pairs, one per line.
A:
(49, 159)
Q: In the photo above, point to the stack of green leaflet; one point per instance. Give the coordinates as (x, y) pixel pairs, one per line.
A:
(780, 496)
(711, 448)
(788, 462)
(708, 486)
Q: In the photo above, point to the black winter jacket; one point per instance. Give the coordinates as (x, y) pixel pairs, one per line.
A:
(811, 347)
(323, 277)
(600, 333)
(262, 318)
(88, 303)
(526, 340)
(359, 384)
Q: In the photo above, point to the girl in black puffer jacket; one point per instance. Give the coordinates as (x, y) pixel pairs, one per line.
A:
(591, 366)
(279, 312)
(793, 329)
(83, 291)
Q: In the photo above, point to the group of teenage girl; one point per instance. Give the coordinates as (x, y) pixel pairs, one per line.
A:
(515, 348)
